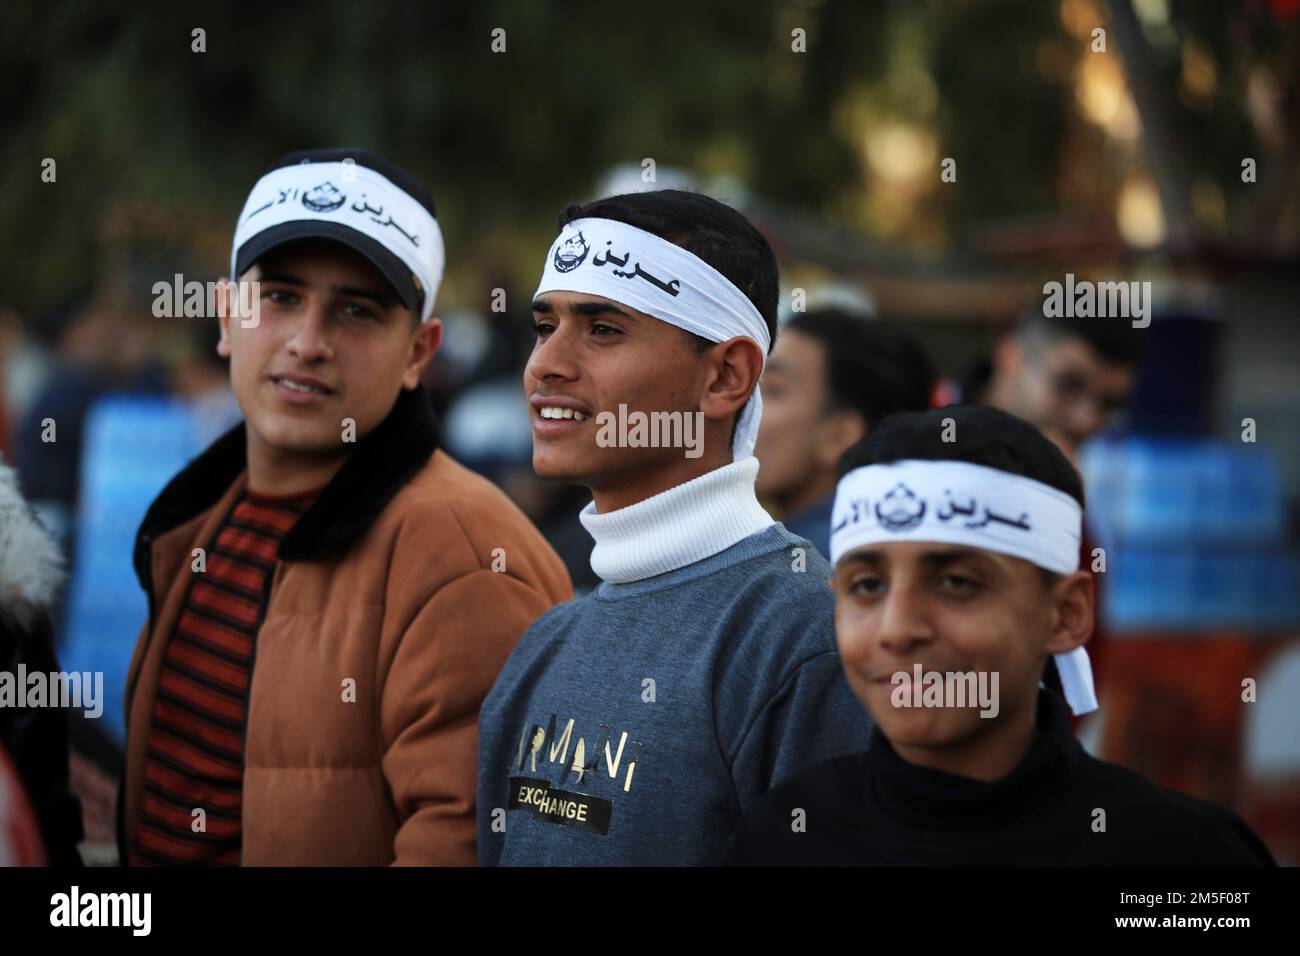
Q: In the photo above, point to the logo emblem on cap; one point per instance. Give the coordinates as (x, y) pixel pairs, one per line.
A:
(900, 509)
(571, 253)
(323, 198)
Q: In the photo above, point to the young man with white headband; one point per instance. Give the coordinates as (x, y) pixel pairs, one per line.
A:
(330, 595)
(633, 726)
(955, 537)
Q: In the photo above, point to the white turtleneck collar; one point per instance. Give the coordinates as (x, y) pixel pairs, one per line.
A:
(677, 527)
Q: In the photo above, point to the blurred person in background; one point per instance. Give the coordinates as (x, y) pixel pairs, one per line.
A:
(201, 378)
(832, 377)
(1069, 377)
(98, 348)
(34, 737)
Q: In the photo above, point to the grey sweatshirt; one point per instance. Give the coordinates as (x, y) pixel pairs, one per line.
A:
(635, 725)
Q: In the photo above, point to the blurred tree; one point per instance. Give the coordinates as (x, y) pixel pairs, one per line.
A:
(138, 121)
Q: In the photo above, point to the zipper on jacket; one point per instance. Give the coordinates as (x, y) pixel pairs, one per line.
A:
(248, 697)
(146, 545)
(119, 813)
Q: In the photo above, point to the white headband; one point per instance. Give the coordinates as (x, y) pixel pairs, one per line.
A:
(955, 502)
(355, 196)
(637, 268)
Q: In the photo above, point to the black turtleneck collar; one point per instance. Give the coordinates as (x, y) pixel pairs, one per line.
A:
(933, 798)
(382, 462)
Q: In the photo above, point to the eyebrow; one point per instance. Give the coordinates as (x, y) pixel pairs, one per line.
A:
(284, 278)
(545, 307)
(933, 559)
(379, 298)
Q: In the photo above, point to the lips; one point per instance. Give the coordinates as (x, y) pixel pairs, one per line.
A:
(885, 678)
(300, 390)
(557, 408)
(300, 384)
(559, 411)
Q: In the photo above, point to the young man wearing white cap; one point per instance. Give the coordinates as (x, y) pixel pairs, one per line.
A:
(955, 537)
(330, 595)
(633, 726)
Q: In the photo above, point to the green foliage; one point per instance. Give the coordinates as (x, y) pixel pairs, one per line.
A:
(116, 96)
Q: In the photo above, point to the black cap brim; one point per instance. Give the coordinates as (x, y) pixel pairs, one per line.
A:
(397, 272)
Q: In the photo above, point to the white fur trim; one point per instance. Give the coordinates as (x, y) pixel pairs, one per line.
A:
(31, 564)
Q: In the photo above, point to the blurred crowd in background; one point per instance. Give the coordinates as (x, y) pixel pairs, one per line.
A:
(1168, 152)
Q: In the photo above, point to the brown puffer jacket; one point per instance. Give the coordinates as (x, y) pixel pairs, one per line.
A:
(410, 576)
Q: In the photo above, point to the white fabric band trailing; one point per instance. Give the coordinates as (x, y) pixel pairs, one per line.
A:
(954, 502)
(638, 269)
(354, 196)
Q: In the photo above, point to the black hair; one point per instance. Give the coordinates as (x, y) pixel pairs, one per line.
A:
(982, 436)
(873, 369)
(974, 380)
(701, 225)
(51, 325)
(1114, 340)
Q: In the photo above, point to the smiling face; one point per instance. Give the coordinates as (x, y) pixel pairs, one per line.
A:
(951, 609)
(332, 342)
(591, 355)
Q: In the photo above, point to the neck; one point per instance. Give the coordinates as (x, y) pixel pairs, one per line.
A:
(640, 483)
(987, 756)
(806, 494)
(274, 472)
(677, 527)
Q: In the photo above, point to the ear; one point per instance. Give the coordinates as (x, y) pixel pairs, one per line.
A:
(1008, 356)
(1073, 614)
(425, 342)
(734, 370)
(225, 303)
(840, 431)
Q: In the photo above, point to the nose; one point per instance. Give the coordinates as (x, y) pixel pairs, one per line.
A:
(1085, 417)
(904, 624)
(552, 359)
(309, 342)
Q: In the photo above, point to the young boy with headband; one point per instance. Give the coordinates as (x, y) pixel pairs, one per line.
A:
(956, 576)
(633, 726)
